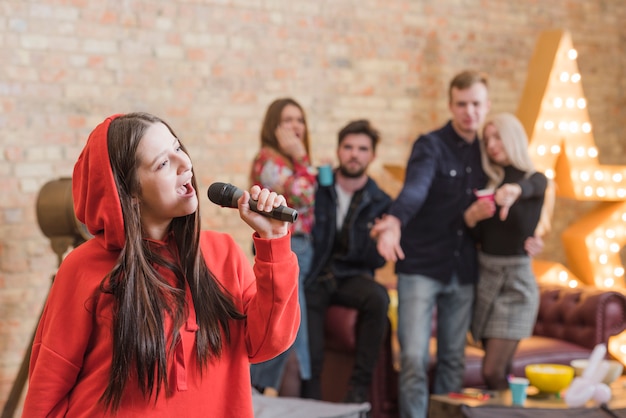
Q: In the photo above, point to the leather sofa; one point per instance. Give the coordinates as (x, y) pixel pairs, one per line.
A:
(570, 323)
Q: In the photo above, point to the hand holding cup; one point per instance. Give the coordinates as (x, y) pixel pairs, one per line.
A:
(325, 175)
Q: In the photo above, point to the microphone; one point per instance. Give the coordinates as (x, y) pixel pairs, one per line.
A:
(226, 195)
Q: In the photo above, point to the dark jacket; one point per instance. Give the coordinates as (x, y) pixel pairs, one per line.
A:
(361, 257)
(442, 172)
(507, 237)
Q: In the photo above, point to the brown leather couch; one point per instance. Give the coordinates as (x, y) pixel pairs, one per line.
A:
(569, 325)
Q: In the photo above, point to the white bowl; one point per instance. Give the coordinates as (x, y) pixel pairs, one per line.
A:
(615, 369)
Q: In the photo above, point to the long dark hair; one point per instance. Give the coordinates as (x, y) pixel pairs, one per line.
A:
(272, 120)
(142, 296)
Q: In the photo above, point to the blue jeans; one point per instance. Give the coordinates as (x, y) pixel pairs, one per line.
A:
(270, 373)
(417, 297)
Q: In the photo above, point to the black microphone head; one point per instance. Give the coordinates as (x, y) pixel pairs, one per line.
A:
(227, 195)
(223, 194)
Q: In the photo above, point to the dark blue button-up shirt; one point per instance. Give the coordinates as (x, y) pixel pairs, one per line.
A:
(441, 174)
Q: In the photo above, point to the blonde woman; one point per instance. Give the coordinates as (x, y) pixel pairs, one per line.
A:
(507, 297)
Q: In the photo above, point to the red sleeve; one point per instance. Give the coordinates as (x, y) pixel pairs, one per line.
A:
(272, 307)
(61, 341)
(266, 292)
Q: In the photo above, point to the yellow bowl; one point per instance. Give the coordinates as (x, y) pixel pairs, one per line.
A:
(549, 378)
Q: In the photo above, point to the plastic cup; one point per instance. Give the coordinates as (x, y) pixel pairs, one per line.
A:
(518, 386)
(484, 194)
(325, 175)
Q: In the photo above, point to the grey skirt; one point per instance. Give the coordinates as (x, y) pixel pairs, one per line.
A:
(507, 298)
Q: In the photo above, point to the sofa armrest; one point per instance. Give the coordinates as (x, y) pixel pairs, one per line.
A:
(586, 316)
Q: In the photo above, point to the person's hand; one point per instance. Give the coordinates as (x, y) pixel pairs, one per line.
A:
(533, 245)
(479, 210)
(265, 226)
(505, 196)
(289, 142)
(386, 232)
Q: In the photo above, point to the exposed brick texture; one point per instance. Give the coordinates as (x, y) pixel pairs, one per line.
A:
(210, 68)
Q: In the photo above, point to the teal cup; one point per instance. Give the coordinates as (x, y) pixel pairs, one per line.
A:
(325, 175)
(518, 386)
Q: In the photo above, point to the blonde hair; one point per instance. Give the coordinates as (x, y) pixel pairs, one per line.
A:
(545, 219)
(515, 143)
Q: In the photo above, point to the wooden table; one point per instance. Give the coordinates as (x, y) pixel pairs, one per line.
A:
(536, 406)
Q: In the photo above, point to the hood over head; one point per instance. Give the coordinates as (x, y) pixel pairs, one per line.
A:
(96, 200)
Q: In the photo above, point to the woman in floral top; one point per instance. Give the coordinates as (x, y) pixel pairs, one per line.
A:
(283, 166)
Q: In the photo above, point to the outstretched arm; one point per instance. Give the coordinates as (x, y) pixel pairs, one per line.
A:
(387, 233)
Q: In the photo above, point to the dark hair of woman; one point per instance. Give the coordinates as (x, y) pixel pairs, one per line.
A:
(141, 296)
(272, 120)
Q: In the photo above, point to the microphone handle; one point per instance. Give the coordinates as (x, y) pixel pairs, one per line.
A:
(281, 213)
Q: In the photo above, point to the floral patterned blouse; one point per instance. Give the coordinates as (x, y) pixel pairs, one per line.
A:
(273, 171)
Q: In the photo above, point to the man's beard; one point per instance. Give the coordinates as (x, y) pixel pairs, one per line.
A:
(351, 174)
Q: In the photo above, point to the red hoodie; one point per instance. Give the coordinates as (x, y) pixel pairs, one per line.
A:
(72, 351)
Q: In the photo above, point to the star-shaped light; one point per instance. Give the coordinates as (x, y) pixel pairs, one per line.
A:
(553, 110)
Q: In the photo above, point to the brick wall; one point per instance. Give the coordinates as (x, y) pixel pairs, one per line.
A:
(210, 68)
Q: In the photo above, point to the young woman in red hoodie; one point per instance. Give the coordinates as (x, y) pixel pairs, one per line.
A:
(152, 316)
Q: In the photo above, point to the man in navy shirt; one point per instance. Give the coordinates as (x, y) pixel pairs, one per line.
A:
(425, 222)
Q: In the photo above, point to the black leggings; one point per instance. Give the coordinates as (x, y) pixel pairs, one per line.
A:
(498, 362)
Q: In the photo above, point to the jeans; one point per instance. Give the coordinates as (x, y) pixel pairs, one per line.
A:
(270, 373)
(417, 297)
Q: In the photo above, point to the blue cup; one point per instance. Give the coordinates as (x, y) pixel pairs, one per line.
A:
(518, 386)
(325, 175)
